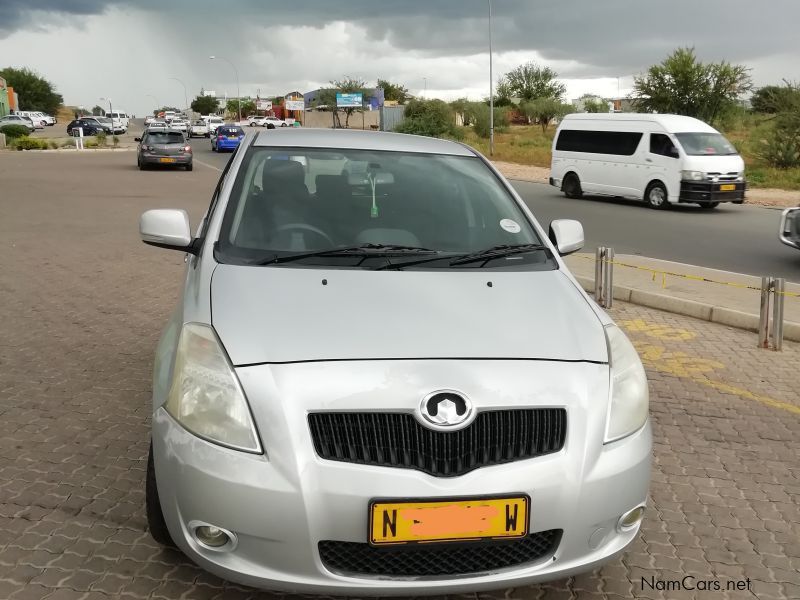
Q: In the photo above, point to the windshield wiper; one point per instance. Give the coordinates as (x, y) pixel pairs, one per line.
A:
(361, 250)
(496, 252)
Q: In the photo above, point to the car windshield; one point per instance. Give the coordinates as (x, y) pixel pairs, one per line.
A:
(103, 119)
(165, 137)
(705, 144)
(291, 201)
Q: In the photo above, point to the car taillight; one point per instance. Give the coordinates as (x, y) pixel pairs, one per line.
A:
(220, 137)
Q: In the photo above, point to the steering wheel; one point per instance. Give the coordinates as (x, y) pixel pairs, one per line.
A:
(305, 227)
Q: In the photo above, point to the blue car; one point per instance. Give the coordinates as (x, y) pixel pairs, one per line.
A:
(227, 137)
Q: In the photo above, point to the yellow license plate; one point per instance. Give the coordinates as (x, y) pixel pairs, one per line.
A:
(233, 137)
(446, 521)
(166, 160)
(727, 188)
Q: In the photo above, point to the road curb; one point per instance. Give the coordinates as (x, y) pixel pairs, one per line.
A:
(692, 308)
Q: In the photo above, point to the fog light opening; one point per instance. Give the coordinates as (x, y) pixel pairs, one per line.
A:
(631, 519)
(213, 537)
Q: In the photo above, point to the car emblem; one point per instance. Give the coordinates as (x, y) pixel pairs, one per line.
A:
(446, 410)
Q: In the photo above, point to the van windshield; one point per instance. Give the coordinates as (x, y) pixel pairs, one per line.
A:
(706, 144)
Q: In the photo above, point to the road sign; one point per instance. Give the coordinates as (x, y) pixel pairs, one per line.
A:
(349, 100)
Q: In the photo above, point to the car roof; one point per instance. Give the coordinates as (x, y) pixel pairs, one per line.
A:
(670, 123)
(359, 140)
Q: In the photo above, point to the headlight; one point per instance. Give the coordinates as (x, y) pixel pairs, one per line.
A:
(205, 396)
(630, 398)
(693, 175)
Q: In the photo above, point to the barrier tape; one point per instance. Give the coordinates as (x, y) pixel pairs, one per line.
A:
(664, 275)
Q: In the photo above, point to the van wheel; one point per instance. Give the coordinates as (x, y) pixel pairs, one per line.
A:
(709, 205)
(656, 196)
(155, 516)
(572, 186)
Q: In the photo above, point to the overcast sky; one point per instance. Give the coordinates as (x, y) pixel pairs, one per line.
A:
(129, 49)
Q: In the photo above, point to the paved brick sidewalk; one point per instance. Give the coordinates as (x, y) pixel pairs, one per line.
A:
(81, 305)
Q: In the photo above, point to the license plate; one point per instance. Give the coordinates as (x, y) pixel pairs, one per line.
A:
(727, 188)
(166, 160)
(233, 137)
(405, 522)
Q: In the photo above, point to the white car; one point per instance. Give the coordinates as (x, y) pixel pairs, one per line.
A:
(179, 124)
(38, 122)
(199, 129)
(120, 118)
(18, 120)
(256, 121)
(213, 123)
(157, 124)
(274, 121)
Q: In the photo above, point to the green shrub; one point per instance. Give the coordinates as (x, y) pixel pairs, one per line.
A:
(54, 144)
(480, 118)
(433, 118)
(14, 131)
(101, 138)
(90, 142)
(29, 143)
(68, 143)
(781, 149)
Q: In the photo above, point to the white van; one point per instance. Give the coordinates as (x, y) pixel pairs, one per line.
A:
(119, 118)
(660, 159)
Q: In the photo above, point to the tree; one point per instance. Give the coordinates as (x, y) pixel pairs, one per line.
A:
(248, 106)
(393, 91)
(531, 81)
(205, 105)
(773, 99)
(35, 92)
(349, 85)
(683, 85)
(503, 93)
(433, 118)
(544, 110)
(98, 111)
(781, 148)
(595, 105)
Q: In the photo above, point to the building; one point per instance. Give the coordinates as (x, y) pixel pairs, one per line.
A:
(5, 105)
(622, 105)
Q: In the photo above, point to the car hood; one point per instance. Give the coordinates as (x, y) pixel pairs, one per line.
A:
(714, 164)
(280, 314)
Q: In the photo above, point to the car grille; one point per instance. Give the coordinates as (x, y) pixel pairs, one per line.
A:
(436, 560)
(731, 176)
(399, 440)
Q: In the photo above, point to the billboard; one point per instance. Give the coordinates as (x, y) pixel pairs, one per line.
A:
(264, 105)
(211, 93)
(296, 104)
(349, 100)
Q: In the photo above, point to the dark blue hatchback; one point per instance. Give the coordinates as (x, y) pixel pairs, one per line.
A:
(227, 137)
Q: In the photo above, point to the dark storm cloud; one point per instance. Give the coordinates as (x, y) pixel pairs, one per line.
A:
(608, 38)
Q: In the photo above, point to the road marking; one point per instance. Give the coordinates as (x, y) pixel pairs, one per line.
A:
(663, 332)
(205, 164)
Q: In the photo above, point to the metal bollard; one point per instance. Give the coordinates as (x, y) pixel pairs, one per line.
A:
(598, 275)
(604, 277)
(609, 282)
(778, 288)
(763, 320)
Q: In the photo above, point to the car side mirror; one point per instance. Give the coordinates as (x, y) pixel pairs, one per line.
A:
(566, 235)
(166, 228)
(137, 139)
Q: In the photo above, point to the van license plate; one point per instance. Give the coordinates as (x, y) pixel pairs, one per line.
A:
(727, 188)
(411, 521)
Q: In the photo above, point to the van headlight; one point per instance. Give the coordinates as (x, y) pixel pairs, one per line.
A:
(206, 397)
(693, 175)
(630, 398)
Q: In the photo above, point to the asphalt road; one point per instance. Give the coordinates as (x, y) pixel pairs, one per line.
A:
(738, 238)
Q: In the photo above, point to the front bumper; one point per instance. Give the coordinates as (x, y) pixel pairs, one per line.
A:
(282, 505)
(706, 192)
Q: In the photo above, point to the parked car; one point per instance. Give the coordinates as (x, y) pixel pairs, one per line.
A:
(39, 119)
(226, 137)
(274, 122)
(199, 129)
(659, 159)
(164, 148)
(120, 118)
(323, 423)
(89, 126)
(111, 125)
(790, 227)
(105, 126)
(18, 120)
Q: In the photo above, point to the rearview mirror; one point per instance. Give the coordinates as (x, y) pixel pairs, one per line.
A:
(166, 228)
(381, 178)
(566, 235)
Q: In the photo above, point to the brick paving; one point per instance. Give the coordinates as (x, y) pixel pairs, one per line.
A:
(82, 302)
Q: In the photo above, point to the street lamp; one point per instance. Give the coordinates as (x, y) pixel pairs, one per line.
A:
(491, 87)
(110, 110)
(238, 93)
(185, 95)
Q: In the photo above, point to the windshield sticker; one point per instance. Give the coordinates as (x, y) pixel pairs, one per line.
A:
(510, 226)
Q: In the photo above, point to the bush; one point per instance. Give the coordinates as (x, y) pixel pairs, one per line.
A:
(115, 140)
(781, 149)
(29, 143)
(90, 142)
(14, 131)
(432, 118)
(480, 118)
(101, 138)
(70, 143)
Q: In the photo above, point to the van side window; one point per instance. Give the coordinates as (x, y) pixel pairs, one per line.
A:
(621, 143)
(662, 145)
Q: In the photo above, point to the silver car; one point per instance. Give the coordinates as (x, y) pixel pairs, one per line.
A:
(381, 379)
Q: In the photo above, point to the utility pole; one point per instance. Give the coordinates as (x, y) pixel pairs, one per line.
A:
(491, 86)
